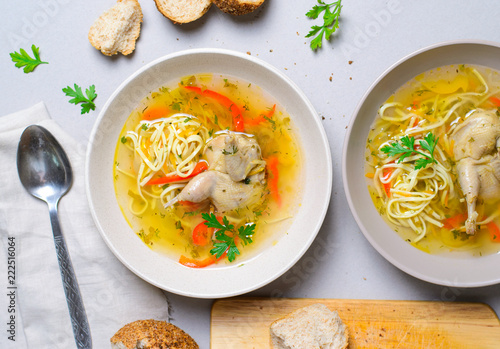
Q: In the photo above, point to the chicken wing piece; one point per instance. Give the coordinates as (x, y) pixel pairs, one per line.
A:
(222, 191)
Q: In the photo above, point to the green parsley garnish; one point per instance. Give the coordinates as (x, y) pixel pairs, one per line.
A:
(123, 139)
(87, 102)
(23, 59)
(330, 22)
(407, 148)
(226, 242)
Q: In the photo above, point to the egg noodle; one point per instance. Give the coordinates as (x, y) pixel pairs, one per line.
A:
(165, 146)
(418, 198)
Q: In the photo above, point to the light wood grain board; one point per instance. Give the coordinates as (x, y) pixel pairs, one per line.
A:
(243, 323)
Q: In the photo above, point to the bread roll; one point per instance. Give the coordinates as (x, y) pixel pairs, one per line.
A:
(152, 334)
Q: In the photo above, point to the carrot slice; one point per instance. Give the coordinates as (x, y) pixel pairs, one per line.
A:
(387, 172)
(273, 179)
(238, 122)
(494, 231)
(153, 113)
(455, 222)
(202, 233)
(195, 263)
(199, 168)
(495, 101)
(264, 116)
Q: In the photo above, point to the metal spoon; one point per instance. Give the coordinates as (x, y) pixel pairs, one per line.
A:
(45, 172)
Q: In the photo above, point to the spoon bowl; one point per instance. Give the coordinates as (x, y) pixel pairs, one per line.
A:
(45, 172)
(44, 168)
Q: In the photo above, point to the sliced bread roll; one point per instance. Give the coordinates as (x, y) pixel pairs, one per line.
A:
(152, 334)
(117, 29)
(183, 11)
(238, 7)
(312, 327)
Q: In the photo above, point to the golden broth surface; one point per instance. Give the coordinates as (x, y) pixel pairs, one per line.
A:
(425, 97)
(169, 231)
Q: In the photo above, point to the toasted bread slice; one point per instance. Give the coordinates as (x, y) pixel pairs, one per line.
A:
(183, 11)
(314, 326)
(117, 29)
(152, 334)
(238, 7)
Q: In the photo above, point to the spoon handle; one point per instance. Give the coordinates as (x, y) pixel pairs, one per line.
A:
(81, 330)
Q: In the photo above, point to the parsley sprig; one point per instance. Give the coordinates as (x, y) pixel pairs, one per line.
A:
(406, 148)
(330, 22)
(23, 59)
(87, 100)
(225, 236)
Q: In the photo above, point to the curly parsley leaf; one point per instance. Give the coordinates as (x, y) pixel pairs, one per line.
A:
(225, 236)
(406, 147)
(87, 100)
(23, 59)
(330, 22)
(245, 233)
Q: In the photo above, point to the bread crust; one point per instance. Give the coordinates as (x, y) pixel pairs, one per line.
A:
(183, 11)
(117, 29)
(237, 7)
(152, 334)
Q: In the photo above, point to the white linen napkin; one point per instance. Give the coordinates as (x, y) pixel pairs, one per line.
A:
(112, 295)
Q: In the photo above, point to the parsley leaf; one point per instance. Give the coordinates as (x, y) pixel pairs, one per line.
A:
(87, 102)
(23, 59)
(330, 22)
(225, 236)
(245, 233)
(407, 148)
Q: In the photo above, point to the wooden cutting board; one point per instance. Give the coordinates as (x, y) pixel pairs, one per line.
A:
(243, 323)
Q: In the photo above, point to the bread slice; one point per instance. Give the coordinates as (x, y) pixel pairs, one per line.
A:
(183, 11)
(152, 334)
(312, 327)
(238, 7)
(117, 29)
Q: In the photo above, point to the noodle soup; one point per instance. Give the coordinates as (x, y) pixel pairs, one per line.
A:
(431, 160)
(208, 170)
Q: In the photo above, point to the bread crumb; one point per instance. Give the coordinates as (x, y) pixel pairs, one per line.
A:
(350, 62)
(248, 53)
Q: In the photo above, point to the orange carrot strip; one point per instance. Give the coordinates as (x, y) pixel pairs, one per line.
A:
(239, 124)
(272, 168)
(494, 231)
(387, 172)
(495, 101)
(262, 117)
(199, 168)
(455, 221)
(155, 113)
(195, 263)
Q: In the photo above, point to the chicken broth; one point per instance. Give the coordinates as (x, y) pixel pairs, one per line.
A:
(208, 145)
(432, 162)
